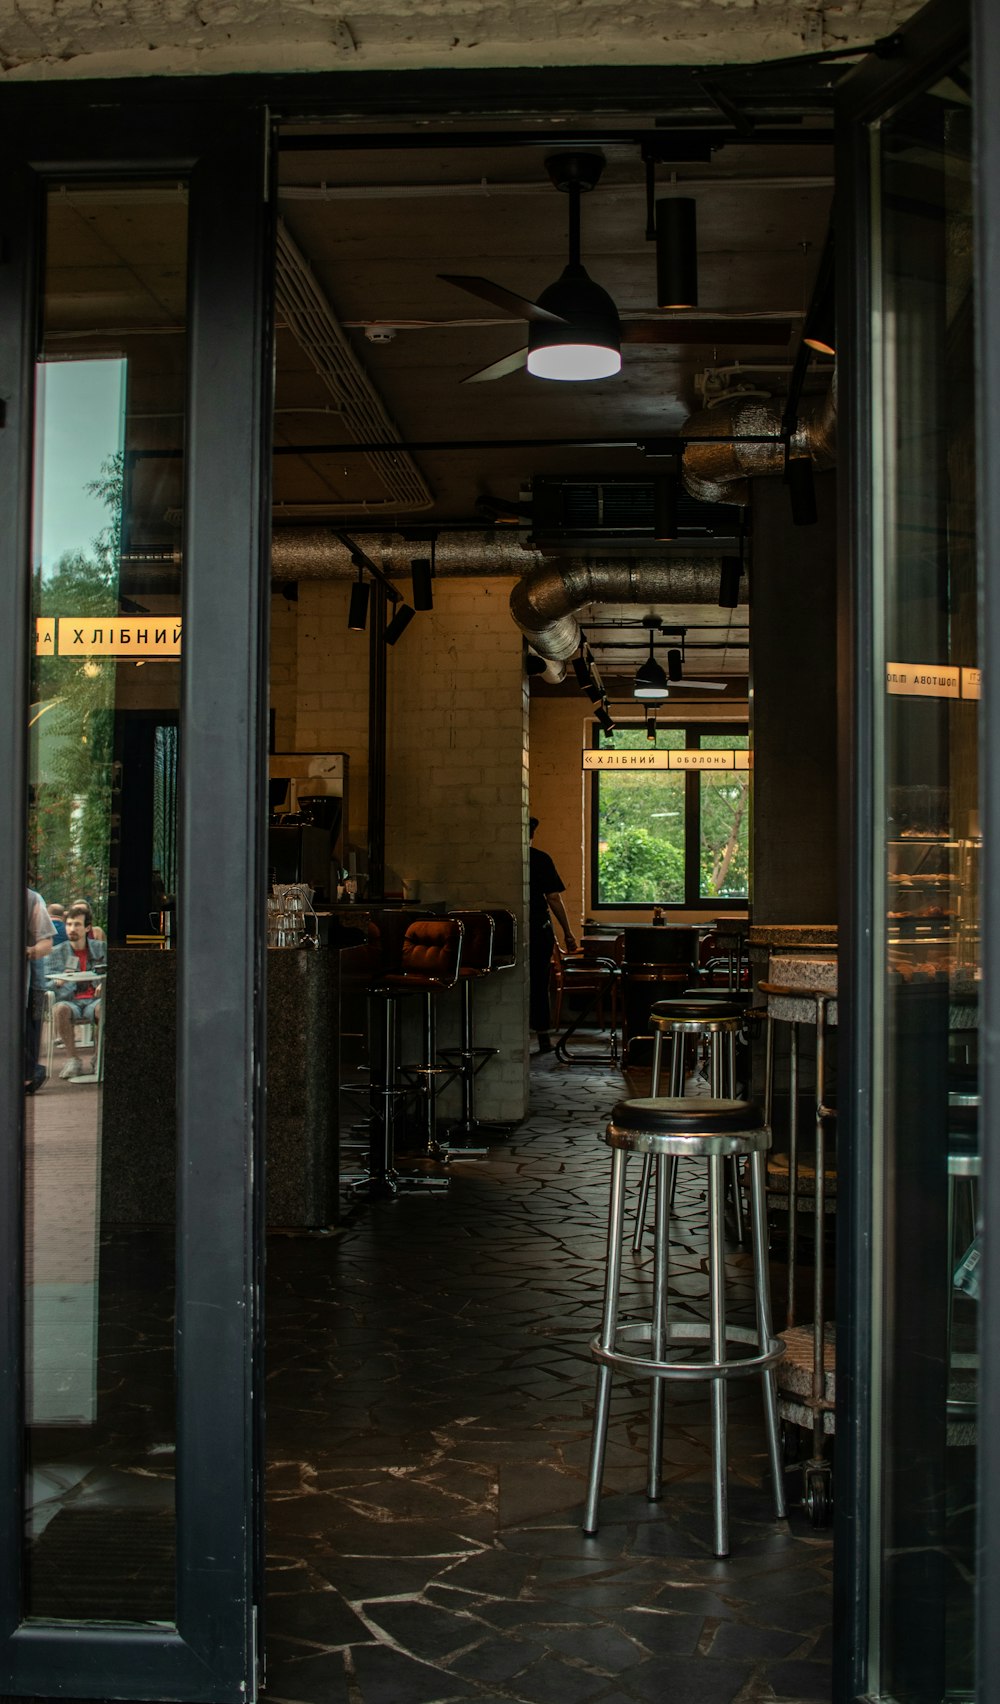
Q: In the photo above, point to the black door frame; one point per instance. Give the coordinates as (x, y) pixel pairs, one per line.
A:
(221, 149)
(934, 40)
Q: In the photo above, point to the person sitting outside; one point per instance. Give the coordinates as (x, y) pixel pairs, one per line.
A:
(77, 999)
(58, 916)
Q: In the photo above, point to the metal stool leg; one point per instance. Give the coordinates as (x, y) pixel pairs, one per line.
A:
(658, 1342)
(647, 1159)
(763, 1299)
(717, 1341)
(609, 1326)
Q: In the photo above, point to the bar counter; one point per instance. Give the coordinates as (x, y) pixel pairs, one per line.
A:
(303, 1076)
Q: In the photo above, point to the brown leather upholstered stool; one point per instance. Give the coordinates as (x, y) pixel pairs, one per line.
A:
(430, 963)
(467, 1058)
(683, 1020)
(710, 1131)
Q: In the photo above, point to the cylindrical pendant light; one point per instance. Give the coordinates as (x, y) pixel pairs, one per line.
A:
(801, 490)
(399, 623)
(357, 614)
(676, 252)
(731, 573)
(420, 580)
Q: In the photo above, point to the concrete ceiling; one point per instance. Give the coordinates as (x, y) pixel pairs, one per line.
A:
(376, 218)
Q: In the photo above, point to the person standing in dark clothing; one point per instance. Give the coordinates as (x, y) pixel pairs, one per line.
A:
(545, 891)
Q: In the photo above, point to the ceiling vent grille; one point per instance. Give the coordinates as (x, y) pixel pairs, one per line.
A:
(571, 513)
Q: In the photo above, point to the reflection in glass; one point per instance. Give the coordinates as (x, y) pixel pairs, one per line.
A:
(99, 1159)
(725, 825)
(930, 1233)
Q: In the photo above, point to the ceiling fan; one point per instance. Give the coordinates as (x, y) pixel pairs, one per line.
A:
(653, 682)
(573, 329)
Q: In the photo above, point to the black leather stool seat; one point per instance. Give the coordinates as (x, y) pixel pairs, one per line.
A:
(692, 1115)
(694, 1011)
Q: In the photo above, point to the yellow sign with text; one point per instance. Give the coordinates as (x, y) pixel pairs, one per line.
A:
(706, 759)
(136, 636)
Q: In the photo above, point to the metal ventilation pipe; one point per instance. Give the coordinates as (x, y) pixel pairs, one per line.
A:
(717, 470)
(545, 601)
(315, 553)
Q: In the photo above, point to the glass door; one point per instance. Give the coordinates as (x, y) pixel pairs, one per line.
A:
(913, 1355)
(134, 356)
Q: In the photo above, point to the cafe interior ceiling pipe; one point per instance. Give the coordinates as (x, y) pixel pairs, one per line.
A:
(317, 553)
(545, 602)
(718, 468)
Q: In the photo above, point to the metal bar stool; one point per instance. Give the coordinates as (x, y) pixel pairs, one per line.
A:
(717, 1023)
(431, 958)
(468, 1059)
(711, 1131)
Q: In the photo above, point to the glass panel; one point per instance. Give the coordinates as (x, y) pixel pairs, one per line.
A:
(640, 823)
(99, 1160)
(724, 801)
(927, 644)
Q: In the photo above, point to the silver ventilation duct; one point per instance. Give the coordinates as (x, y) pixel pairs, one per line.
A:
(316, 553)
(544, 603)
(717, 470)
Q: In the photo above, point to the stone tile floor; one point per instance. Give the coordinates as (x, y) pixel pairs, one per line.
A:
(429, 1405)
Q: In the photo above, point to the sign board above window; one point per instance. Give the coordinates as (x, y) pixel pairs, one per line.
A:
(717, 757)
(108, 636)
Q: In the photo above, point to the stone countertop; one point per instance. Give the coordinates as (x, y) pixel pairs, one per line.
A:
(794, 937)
(813, 971)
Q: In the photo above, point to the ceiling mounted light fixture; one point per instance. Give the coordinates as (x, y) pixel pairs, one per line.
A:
(819, 332)
(584, 340)
(650, 681)
(605, 719)
(399, 623)
(421, 574)
(730, 575)
(651, 728)
(675, 665)
(801, 490)
(676, 252)
(357, 614)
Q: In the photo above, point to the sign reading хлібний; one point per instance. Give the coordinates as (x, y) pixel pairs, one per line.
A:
(108, 636)
(720, 757)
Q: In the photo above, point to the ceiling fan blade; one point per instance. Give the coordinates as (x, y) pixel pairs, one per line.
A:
(499, 369)
(519, 306)
(703, 685)
(745, 332)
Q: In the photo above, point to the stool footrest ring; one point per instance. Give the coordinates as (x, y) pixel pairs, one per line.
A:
(645, 1366)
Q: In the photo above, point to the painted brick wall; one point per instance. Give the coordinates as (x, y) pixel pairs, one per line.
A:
(456, 808)
(457, 783)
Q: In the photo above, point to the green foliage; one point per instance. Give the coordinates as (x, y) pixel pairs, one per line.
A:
(74, 722)
(725, 840)
(636, 866)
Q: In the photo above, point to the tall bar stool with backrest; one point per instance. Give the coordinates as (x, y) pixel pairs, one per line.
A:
(468, 1059)
(716, 1024)
(710, 1131)
(430, 962)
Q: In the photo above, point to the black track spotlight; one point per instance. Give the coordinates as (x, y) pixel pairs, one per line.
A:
(357, 614)
(651, 729)
(820, 329)
(801, 490)
(730, 575)
(676, 252)
(581, 668)
(650, 681)
(675, 665)
(399, 623)
(605, 719)
(534, 664)
(420, 580)
(665, 492)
